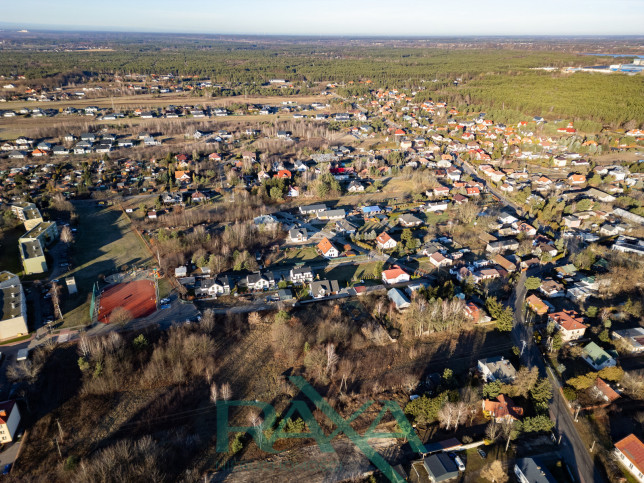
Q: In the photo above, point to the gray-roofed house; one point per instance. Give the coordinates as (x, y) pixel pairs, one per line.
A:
(301, 275)
(398, 298)
(440, 467)
(408, 220)
(260, 281)
(634, 338)
(324, 288)
(527, 470)
(497, 369)
(298, 235)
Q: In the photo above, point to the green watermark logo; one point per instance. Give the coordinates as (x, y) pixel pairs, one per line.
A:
(265, 443)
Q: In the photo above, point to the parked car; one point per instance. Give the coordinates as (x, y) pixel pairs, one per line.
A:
(481, 453)
(164, 301)
(459, 463)
(7, 469)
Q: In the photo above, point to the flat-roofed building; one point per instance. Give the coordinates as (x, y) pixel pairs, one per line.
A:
(46, 232)
(13, 308)
(33, 256)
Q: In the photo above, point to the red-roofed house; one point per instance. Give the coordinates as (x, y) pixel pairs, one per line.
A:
(395, 275)
(536, 304)
(385, 242)
(569, 323)
(438, 260)
(606, 392)
(283, 173)
(630, 452)
(9, 420)
(576, 179)
(328, 249)
(502, 408)
(399, 132)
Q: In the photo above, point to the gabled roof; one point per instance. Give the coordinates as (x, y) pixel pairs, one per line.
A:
(393, 272)
(383, 238)
(633, 449)
(568, 320)
(325, 245)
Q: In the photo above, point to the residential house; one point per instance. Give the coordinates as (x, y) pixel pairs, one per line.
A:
(298, 235)
(395, 275)
(438, 260)
(398, 298)
(504, 263)
(501, 409)
(597, 357)
(324, 288)
(536, 305)
(409, 221)
(9, 421)
(634, 338)
(343, 226)
(355, 187)
(440, 467)
(260, 281)
(509, 244)
(327, 249)
(551, 288)
(569, 323)
(630, 453)
(497, 369)
(301, 275)
(576, 179)
(331, 214)
(13, 309)
(527, 470)
(385, 242)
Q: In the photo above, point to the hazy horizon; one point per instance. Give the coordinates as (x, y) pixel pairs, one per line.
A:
(413, 18)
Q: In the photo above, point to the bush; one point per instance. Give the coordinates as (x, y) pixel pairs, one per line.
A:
(569, 393)
(236, 445)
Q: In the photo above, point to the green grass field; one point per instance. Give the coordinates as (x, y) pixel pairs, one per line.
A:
(293, 256)
(104, 244)
(347, 273)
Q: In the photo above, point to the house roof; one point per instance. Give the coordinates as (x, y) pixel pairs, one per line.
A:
(393, 272)
(606, 390)
(534, 473)
(383, 238)
(596, 353)
(440, 466)
(537, 304)
(633, 449)
(568, 320)
(502, 407)
(325, 245)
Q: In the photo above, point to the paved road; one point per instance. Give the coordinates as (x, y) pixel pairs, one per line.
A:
(573, 449)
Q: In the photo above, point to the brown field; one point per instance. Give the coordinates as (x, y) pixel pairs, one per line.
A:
(160, 100)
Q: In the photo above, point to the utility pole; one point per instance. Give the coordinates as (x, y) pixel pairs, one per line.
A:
(577, 413)
(593, 446)
(523, 344)
(58, 446)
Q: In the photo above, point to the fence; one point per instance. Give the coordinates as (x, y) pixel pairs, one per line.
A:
(94, 303)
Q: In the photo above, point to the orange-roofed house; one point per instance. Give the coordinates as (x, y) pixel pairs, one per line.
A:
(569, 323)
(385, 242)
(394, 275)
(502, 408)
(283, 173)
(399, 132)
(536, 304)
(182, 176)
(328, 249)
(630, 453)
(606, 392)
(576, 179)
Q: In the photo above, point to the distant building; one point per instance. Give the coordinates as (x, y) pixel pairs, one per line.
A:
(634, 338)
(597, 357)
(13, 307)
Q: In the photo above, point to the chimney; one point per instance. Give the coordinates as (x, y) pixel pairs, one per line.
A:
(3, 413)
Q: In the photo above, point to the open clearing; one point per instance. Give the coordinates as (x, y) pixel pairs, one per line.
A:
(104, 245)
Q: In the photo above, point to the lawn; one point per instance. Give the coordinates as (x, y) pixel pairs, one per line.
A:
(104, 244)
(295, 255)
(348, 273)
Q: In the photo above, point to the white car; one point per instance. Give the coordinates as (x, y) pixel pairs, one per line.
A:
(459, 463)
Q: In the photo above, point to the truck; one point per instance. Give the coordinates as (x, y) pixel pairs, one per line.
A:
(23, 354)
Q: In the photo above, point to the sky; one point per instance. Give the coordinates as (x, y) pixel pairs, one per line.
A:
(378, 18)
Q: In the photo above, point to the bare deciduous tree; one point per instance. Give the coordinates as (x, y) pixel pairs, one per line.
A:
(120, 316)
(213, 393)
(494, 472)
(226, 391)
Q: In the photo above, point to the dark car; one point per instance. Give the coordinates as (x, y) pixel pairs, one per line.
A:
(7, 469)
(482, 453)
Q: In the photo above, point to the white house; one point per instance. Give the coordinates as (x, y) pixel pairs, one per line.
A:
(597, 358)
(260, 281)
(497, 369)
(395, 275)
(569, 324)
(9, 420)
(327, 249)
(385, 242)
(298, 235)
(630, 453)
(301, 275)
